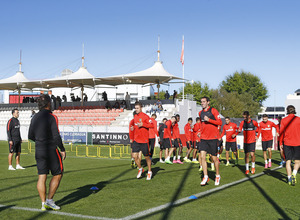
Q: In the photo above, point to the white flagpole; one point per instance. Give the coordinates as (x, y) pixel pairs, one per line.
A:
(183, 68)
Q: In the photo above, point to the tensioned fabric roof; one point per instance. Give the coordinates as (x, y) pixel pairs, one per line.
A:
(155, 74)
(82, 78)
(79, 78)
(17, 81)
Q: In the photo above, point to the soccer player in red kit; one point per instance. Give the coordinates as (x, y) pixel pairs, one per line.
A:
(196, 138)
(161, 131)
(131, 137)
(142, 124)
(168, 138)
(152, 133)
(249, 126)
(282, 163)
(176, 141)
(209, 134)
(267, 138)
(188, 131)
(290, 142)
(230, 129)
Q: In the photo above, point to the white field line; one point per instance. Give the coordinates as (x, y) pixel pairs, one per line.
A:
(198, 195)
(55, 212)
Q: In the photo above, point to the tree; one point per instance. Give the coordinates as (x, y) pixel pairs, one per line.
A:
(246, 83)
(233, 104)
(198, 90)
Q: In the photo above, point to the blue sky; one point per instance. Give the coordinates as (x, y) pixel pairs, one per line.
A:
(221, 37)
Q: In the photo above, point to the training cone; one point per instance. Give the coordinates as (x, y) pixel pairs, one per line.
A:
(94, 188)
(193, 197)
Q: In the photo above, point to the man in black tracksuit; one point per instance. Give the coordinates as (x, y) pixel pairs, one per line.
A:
(44, 132)
(14, 140)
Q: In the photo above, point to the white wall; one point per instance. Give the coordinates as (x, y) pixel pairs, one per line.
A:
(293, 100)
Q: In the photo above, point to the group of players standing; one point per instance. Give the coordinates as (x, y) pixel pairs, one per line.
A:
(205, 137)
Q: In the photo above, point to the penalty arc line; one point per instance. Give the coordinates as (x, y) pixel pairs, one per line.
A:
(186, 199)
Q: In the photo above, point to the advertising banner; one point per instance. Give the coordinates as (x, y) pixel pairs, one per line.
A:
(75, 137)
(110, 138)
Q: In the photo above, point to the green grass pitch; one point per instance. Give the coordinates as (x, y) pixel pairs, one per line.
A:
(121, 194)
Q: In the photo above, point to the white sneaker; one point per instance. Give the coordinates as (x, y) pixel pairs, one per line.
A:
(19, 167)
(204, 181)
(140, 173)
(217, 180)
(51, 205)
(161, 161)
(43, 207)
(149, 175)
(11, 168)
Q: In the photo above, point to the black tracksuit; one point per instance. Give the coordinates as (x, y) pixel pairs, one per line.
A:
(44, 132)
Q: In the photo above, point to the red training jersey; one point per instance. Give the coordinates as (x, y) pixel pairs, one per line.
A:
(249, 128)
(188, 131)
(209, 129)
(290, 131)
(141, 134)
(168, 129)
(131, 133)
(196, 131)
(176, 133)
(153, 131)
(266, 130)
(230, 130)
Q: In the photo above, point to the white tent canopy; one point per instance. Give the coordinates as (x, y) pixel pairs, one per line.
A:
(80, 78)
(17, 82)
(155, 74)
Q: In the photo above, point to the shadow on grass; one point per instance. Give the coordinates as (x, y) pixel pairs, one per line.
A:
(33, 165)
(277, 175)
(177, 192)
(277, 208)
(85, 191)
(293, 212)
(17, 185)
(95, 168)
(155, 170)
(5, 207)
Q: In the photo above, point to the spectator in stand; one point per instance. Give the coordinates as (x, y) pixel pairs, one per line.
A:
(158, 102)
(64, 97)
(32, 113)
(160, 108)
(108, 105)
(116, 105)
(78, 99)
(24, 100)
(127, 99)
(104, 96)
(53, 100)
(58, 99)
(73, 98)
(154, 109)
(85, 98)
(123, 105)
(174, 95)
(167, 95)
